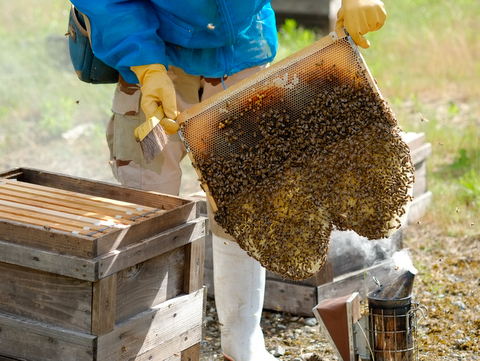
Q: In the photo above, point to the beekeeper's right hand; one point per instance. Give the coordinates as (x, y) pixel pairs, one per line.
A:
(158, 91)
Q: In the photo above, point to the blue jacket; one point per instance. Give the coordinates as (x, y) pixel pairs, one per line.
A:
(212, 38)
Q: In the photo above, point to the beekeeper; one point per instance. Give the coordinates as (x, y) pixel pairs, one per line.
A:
(175, 54)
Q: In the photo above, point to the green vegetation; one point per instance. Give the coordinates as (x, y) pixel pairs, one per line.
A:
(425, 60)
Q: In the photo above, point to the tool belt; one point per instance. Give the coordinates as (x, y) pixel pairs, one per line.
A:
(87, 66)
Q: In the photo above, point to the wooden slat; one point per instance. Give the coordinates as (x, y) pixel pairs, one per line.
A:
(96, 188)
(67, 211)
(36, 201)
(34, 341)
(177, 211)
(61, 193)
(52, 198)
(194, 266)
(106, 264)
(22, 234)
(51, 220)
(45, 297)
(150, 247)
(150, 283)
(192, 353)
(103, 305)
(296, 299)
(158, 333)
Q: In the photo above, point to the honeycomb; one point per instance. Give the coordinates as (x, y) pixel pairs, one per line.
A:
(301, 147)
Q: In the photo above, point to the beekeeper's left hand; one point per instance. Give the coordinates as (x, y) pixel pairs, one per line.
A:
(360, 17)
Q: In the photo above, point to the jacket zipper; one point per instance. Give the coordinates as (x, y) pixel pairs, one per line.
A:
(228, 21)
(230, 33)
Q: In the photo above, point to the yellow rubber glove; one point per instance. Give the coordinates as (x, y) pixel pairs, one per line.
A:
(359, 17)
(158, 91)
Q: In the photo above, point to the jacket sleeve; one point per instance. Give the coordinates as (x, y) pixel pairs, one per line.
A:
(124, 33)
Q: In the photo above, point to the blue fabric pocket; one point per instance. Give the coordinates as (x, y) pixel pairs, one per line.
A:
(88, 68)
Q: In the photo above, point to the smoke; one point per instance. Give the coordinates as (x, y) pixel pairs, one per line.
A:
(403, 261)
(350, 252)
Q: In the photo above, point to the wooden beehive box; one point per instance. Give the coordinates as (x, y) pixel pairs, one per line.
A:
(94, 271)
(352, 260)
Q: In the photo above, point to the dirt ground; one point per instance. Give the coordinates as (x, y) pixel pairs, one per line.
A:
(447, 286)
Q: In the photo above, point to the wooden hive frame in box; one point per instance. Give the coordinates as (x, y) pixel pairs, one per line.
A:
(83, 279)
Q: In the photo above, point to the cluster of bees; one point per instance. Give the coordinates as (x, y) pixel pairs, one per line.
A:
(286, 176)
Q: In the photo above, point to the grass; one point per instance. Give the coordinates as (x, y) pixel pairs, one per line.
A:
(425, 60)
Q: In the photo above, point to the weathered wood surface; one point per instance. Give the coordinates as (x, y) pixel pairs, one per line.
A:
(419, 207)
(72, 205)
(90, 247)
(22, 338)
(148, 284)
(194, 266)
(157, 333)
(41, 235)
(104, 300)
(108, 264)
(292, 298)
(45, 297)
(190, 354)
(95, 188)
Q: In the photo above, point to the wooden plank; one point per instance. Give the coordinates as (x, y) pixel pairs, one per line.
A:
(179, 210)
(140, 231)
(84, 246)
(48, 239)
(46, 297)
(106, 265)
(190, 354)
(290, 298)
(151, 247)
(194, 265)
(58, 196)
(34, 341)
(104, 305)
(157, 333)
(96, 188)
(149, 283)
(55, 220)
(56, 263)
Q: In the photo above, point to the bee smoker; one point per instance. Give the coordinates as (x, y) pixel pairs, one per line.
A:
(387, 332)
